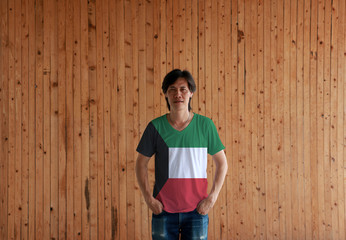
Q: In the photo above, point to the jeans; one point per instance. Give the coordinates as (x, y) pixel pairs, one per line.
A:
(190, 225)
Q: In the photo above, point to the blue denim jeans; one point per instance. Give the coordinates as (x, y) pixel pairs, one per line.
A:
(190, 225)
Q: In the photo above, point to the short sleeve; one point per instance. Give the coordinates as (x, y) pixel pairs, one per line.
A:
(214, 142)
(146, 145)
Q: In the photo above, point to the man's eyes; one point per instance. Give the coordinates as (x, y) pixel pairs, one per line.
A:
(181, 89)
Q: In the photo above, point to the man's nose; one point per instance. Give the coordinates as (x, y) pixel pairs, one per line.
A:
(178, 94)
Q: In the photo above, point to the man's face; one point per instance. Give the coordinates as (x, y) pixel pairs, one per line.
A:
(178, 94)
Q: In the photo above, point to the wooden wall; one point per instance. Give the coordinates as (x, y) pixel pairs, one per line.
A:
(80, 80)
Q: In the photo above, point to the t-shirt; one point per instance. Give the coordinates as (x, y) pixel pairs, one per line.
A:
(180, 160)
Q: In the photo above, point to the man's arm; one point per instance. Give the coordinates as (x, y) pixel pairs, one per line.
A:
(221, 169)
(143, 182)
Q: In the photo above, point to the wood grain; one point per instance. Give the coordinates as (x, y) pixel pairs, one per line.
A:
(80, 81)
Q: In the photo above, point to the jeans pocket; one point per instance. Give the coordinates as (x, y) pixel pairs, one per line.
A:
(206, 215)
(160, 214)
(159, 226)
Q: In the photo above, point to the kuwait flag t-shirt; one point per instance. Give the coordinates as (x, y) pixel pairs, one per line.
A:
(180, 160)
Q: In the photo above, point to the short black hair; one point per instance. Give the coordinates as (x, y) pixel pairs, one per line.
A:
(172, 76)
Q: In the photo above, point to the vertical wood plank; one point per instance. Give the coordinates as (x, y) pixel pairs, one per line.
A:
(25, 118)
(54, 171)
(208, 42)
(107, 118)
(306, 120)
(77, 122)
(299, 119)
(175, 34)
(121, 122)
(201, 56)
(156, 58)
(274, 62)
(247, 121)
(142, 101)
(32, 114)
(155, 73)
(267, 115)
(333, 119)
(228, 126)
(100, 122)
(320, 130)
(235, 122)
(69, 126)
(282, 208)
(93, 70)
(313, 122)
(115, 216)
(47, 104)
(242, 79)
(129, 91)
(4, 102)
(214, 105)
(193, 6)
(326, 119)
(188, 36)
(2, 138)
(169, 43)
(164, 30)
(71, 73)
(135, 99)
(274, 118)
(286, 120)
(293, 120)
(182, 21)
(221, 110)
(47, 13)
(18, 120)
(149, 81)
(260, 79)
(341, 130)
(62, 116)
(85, 105)
(244, 101)
(253, 89)
(39, 122)
(11, 123)
(207, 86)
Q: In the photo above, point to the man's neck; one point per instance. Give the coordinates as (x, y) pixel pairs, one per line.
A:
(179, 117)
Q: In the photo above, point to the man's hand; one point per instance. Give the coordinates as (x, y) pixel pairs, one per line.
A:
(221, 169)
(143, 182)
(155, 205)
(205, 205)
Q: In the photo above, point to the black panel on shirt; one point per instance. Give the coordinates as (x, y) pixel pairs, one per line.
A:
(146, 145)
(149, 144)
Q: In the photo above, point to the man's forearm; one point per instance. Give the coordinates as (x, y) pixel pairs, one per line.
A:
(221, 169)
(219, 179)
(143, 182)
(142, 179)
(220, 174)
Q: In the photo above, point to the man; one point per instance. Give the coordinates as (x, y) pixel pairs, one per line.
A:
(180, 141)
